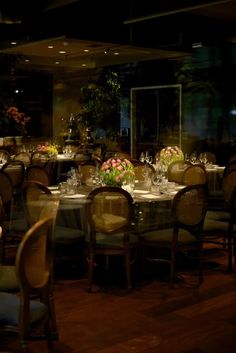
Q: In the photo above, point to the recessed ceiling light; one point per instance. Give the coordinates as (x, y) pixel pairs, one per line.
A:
(57, 62)
(27, 60)
(116, 53)
(62, 52)
(86, 50)
(84, 65)
(50, 47)
(13, 43)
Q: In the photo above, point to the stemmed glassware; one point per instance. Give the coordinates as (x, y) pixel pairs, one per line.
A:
(145, 157)
(193, 157)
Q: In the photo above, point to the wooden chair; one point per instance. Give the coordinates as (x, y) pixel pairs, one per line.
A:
(39, 157)
(185, 235)
(34, 263)
(219, 224)
(24, 157)
(37, 173)
(209, 156)
(109, 214)
(194, 174)
(231, 165)
(120, 154)
(4, 156)
(176, 170)
(69, 242)
(43, 159)
(15, 169)
(87, 169)
(143, 174)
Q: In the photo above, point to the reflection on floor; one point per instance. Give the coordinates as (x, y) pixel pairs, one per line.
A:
(151, 318)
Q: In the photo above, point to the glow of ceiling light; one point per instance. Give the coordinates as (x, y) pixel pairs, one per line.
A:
(62, 52)
(116, 53)
(83, 65)
(86, 50)
(197, 45)
(57, 62)
(13, 43)
(50, 46)
(27, 60)
(106, 51)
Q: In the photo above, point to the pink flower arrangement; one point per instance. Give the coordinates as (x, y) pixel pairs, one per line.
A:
(116, 171)
(49, 148)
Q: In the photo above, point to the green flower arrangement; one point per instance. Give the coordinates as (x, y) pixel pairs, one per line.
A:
(170, 154)
(116, 171)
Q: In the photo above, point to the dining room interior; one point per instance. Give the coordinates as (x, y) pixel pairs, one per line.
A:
(118, 131)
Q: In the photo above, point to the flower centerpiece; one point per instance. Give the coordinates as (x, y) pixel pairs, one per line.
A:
(170, 154)
(16, 120)
(49, 148)
(116, 172)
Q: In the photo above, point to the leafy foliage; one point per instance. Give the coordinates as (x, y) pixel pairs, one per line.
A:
(100, 99)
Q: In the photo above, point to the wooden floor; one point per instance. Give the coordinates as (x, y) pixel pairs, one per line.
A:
(150, 318)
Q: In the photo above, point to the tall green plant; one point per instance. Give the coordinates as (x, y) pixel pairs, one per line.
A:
(100, 99)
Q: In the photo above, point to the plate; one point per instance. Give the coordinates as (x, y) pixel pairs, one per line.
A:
(53, 187)
(140, 191)
(55, 192)
(75, 196)
(180, 187)
(151, 196)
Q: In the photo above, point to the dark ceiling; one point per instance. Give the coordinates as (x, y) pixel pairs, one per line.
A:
(170, 25)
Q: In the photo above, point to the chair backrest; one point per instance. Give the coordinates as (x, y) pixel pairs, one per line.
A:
(87, 170)
(16, 171)
(176, 170)
(39, 157)
(4, 156)
(6, 191)
(228, 185)
(38, 202)
(34, 269)
(194, 174)
(37, 173)
(23, 156)
(189, 208)
(231, 165)
(143, 171)
(120, 154)
(108, 210)
(34, 256)
(210, 157)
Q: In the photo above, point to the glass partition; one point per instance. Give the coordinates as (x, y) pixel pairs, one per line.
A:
(156, 117)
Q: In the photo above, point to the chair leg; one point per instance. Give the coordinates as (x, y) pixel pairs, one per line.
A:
(90, 273)
(230, 244)
(172, 270)
(128, 270)
(200, 264)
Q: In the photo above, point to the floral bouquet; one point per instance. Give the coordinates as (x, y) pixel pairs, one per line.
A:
(49, 148)
(170, 154)
(116, 172)
(17, 120)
